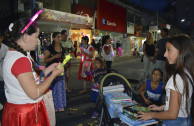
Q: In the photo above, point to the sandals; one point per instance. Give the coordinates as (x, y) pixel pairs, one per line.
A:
(60, 110)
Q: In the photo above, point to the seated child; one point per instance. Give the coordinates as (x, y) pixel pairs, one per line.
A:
(154, 89)
(97, 74)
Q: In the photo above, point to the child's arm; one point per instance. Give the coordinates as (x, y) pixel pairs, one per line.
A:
(170, 114)
(141, 91)
(88, 73)
(86, 54)
(163, 86)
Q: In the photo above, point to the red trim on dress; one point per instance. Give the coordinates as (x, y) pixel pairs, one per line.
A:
(21, 65)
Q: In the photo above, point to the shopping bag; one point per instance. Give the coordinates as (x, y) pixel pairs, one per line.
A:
(48, 101)
(86, 64)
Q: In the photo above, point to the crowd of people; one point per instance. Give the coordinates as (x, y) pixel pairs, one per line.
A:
(168, 65)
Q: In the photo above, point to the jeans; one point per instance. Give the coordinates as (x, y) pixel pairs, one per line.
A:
(148, 67)
(160, 64)
(108, 65)
(2, 93)
(178, 122)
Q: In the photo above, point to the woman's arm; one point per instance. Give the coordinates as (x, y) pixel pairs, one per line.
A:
(170, 114)
(155, 52)
(29, 86)
(141, 91)
(156, 108)
(144, 51)
(89, 55)
(50, 68)
(107, 50)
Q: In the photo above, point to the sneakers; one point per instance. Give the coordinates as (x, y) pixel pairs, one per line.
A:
(95, 115)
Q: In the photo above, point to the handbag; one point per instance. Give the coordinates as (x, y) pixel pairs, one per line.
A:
(48, 101)
(85, 64)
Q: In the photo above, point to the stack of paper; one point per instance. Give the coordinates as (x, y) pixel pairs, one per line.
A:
(113, 89)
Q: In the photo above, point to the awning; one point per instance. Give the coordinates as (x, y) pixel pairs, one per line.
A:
(52, 20)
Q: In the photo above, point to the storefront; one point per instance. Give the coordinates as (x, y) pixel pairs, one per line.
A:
(55, 21)
(77, 34)
(136, 42)
(136, 38)
(111, 22)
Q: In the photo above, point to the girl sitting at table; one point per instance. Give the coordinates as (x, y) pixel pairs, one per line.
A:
(154, 89)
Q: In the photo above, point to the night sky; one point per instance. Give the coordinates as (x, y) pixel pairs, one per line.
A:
(152, 5)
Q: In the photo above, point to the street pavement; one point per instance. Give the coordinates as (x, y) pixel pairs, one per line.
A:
(79, 109)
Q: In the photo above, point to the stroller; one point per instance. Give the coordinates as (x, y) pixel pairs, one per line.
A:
(111, 79)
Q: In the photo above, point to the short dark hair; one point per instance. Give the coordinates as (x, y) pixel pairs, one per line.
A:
(55, 34)
(104, 38)
(63, 32)
(158, 69)
(86, 39)
(165, 30)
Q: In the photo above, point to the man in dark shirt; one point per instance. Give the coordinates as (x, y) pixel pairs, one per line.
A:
(161, 48)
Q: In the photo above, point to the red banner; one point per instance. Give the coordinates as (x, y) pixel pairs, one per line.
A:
(111, 17)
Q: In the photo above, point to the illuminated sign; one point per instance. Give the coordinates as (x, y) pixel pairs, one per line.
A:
(104, 22)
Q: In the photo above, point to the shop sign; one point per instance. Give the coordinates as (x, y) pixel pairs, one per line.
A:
(105, 22)
(63, 17)
(130, 28)
(111, 17)
(138, 30)
(153, 28)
